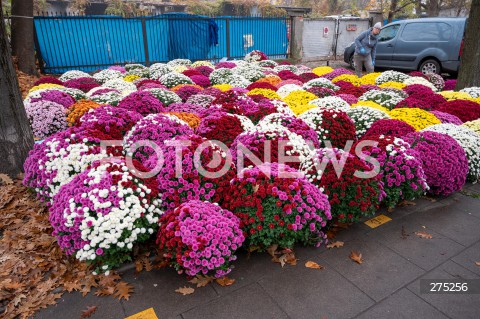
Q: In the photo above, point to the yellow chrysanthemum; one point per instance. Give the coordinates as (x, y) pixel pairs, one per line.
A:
(369, 79)
(202, 63)
(269, 94)
(395, 85)
(180, 68)
(473, 125)
(298, 101)
(223, 87)
(298, 108)
(416, 117)
(352, 78)
(131, 78)
(451, 95)
(372, 105)
(45, 86)
(321, 70)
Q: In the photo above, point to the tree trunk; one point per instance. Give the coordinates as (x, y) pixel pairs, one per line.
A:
(470, 62)
(392, 11)
(22, 36)
(433, 8)
(418, 8)
(16, 137)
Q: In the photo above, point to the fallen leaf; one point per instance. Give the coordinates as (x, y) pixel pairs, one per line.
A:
(88, 312)
(185, 290)
(255, 188)
(404, 233)
(336, 244)
(406, 203)
(108, 291)
(18, 299)
(430, 199)
(6, 179)
(225, 281)
(201, 281)
(123, 290)
(138, 265)
(272, 249)
(356, 257)
(291, 259)
(313, 265)
(477, 263)
(72, 286)
(282, 260)
(423, 234)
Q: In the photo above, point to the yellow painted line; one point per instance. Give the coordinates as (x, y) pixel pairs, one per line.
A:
(377, 221)
(146, 314)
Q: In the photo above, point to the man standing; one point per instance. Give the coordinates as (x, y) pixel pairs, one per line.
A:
(366, 49)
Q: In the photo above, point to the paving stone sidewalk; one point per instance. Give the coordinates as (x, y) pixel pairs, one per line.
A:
(386, 285)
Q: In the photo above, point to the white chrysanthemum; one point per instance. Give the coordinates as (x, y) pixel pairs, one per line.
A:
(107, 75)
(250, 73)
(220, 76)
(120, 85)
(171, 80)
(291, 68)
(388, 99)
(391, 76)
(282, 107)
(286, 89)
(73, 74)
(165, 96)
(331, 102)
(321, 82)
(177, 62)
(420, 80)
(473, 91)
(363, 118)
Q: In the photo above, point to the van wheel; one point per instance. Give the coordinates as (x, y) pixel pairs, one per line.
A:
(429, 66)
(351, 61)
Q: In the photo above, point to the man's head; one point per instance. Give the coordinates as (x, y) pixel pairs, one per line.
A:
(376, 28)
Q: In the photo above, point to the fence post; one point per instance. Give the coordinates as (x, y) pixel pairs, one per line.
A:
(227, 26)
(296, 38)
(38, 51)
(145, 42)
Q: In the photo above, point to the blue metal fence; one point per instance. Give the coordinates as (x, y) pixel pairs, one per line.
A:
(90, 43)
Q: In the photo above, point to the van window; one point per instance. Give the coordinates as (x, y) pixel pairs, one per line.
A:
(388, 33)
(427, 31)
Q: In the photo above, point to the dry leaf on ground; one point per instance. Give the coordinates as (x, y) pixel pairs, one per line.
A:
(406, 203)
(185, 290)
(272, 250)
(5, 179)
(88, 312)
(356, 257)
(201, 281)
(123, 290)
(313, 265)
(404, 233)
(423, 234)
(336, 244)
(225, 281)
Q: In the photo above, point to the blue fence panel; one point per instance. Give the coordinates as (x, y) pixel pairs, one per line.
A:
(268, 35)
(89, 44)
(95, 42)
(157, 37)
